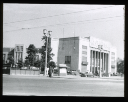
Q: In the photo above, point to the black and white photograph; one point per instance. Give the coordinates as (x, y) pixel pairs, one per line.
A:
(63, 50)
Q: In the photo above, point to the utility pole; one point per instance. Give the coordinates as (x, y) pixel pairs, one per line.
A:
(46, 35)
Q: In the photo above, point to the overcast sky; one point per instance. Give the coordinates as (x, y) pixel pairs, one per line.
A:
(101, 21)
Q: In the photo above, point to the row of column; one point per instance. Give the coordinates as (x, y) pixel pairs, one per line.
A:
(98, 60)
(18, 56)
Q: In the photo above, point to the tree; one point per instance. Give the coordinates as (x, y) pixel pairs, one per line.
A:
(27, 63)
(37, 63)
(52, 64)
(11, 60)
(120, 66)
(43, 52)
(31, 54)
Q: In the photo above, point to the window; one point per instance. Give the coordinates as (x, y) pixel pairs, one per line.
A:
(84, 52)
(17, 48)
(67, 59)
(21, 48)
(112, 57)
(84, 47)
(112, 62)
(84, 58)
(113, 53)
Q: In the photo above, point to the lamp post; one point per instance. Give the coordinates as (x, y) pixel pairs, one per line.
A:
(100, 48)
(46, 34)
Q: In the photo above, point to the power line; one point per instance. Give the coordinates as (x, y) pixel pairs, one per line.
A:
(74, 22)
(65, 23)
(58, 15)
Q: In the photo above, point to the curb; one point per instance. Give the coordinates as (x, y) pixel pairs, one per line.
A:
(69, 77)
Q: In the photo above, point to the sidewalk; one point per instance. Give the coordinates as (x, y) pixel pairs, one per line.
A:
(91, 78)
(77, 77)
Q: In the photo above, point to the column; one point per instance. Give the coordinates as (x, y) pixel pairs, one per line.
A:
(16, 57)
(22, 56)
(103, 64)
(92, 61)
(19, 55)
(100, 64)
(15, 54)
(109, 63)
(95, 62)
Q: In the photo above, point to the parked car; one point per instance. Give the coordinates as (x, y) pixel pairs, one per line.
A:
(4, 67)
(86, 74)
(34, 68)
(114, 74)
(24, 68)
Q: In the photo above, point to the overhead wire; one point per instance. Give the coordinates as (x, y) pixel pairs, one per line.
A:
(58, 15)
(66, 23)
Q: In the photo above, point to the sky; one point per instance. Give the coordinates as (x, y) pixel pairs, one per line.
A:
(24, 23)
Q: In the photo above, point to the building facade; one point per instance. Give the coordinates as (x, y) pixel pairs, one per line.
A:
(20, 52)
(78, 53)
(83, 54)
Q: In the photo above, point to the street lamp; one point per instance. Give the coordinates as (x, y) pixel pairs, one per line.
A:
(47, 35)
(100, 48)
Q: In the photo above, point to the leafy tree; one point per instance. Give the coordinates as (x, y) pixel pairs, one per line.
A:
(52, 64)
(120, 66)
(11, 60)
(37, 63)
(27, 63)
(43, 52)
(31, 54)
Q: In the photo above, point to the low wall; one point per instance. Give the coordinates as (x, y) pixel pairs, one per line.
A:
(24, 72)
(6, 71)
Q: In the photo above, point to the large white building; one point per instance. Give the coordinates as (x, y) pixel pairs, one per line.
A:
(78, 53)
(83, 54)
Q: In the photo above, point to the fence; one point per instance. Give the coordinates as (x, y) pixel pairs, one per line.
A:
(15, 71)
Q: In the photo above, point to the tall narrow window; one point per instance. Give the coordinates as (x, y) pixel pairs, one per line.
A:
(84, 58)
(18, 48)
(84, 47)
(21, 48)
(67, 59)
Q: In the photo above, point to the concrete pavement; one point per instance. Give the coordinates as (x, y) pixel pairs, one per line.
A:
(69, 85)
(112, 78)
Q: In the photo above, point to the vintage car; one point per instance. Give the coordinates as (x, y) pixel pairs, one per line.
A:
(34, 68)
(86, 74)
(24, 68)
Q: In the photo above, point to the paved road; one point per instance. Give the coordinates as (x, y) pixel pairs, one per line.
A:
(62, 86)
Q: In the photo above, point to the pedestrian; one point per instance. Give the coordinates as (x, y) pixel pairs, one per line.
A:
(121, 74)
(47, 70)
(50, 71)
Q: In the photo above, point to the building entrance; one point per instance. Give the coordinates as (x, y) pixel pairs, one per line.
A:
(98, 60)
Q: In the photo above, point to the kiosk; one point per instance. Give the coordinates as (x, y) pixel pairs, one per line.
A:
(62, 70)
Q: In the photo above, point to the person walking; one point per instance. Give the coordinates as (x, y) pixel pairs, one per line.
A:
(50, 71)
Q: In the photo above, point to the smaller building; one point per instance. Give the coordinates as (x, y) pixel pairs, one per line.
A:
(18, 52)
